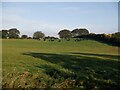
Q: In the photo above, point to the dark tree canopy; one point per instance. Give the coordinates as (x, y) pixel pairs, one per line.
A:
(4, 34)
(14, 33)
(38, 35)
(79, 32)
(116, 35)
(64, 34)
(0, 34)
(24, 36)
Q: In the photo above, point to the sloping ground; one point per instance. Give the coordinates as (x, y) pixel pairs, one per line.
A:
(67, 64)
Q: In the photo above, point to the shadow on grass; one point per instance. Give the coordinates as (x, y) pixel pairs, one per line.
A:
(117, 57)
(94, 70)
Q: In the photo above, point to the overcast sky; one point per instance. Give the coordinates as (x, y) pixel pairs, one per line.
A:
(51, 17)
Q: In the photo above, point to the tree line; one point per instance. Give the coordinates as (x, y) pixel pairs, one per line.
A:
(14, 33)
(79, 34)
(112, 39)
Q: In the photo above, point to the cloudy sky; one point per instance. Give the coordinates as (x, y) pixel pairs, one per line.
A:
(51, 17)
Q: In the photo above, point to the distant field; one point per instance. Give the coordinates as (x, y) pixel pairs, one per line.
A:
(67, 64)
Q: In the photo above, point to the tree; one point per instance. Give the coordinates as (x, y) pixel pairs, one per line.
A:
(24, 36)
(0, 34)
(79, 32)
(14, 33)
(29, 37)
(117, 35)
(38, 35)
(4, 34)
(64, 34)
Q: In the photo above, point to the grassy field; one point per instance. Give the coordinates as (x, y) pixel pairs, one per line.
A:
(85, 64)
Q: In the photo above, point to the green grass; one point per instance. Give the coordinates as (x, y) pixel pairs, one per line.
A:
(67, 64)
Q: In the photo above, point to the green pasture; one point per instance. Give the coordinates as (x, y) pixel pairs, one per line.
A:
(85, 64)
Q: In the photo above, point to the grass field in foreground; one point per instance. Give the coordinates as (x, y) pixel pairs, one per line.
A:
(44, 64)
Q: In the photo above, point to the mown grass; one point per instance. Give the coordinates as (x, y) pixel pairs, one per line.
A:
(85, 64)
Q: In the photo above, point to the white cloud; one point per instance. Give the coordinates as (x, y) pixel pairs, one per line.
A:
(16, 10)
(70, 9)
(12, 19)
(75, 10)
(0, 15)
